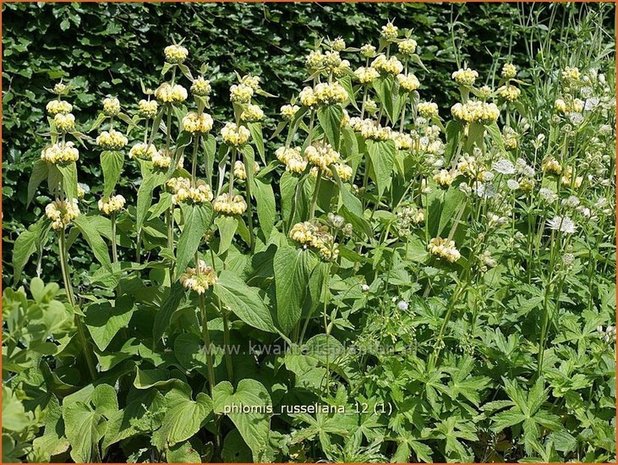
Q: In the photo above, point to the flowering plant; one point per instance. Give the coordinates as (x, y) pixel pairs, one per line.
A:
(375, 219)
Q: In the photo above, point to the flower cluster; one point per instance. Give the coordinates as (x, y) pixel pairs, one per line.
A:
(509, 71)
(408, 82)
(474, 111)
(60, 153)
(368, 51)
(317, 237)
(168, 93)
(408, 217)
(551, 165)
(510, 137)
(343, 170)
(385, 65)
(469, 166)
(235, 135)
(240, 170)
(111, 106)
(161, 159)
(230, 204)
(252, 114)
(568, 105)
(147, 108)
(201, 87)
(251, 81)
(407, 46)
(389, 31)
(111, 140)
(62, 213)
(292, 159)
(370, 129)
(199, 279)
(509, 93)
(241, 93)
(444, 178)
(465, 77)
(64, 122)
(427, 109)
(366, 75)
(288, 111)
(142, 151)
(444, 249)
(175, 54)
(183, 192)
(59, 106)
(195, 123)
(111, 205)
(323, 94)
(322, 155)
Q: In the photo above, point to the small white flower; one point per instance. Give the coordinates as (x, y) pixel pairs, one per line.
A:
(402, 305)
(365, 288)
(591, 103)
(512, 184)
(576, 118)
(504, 166)
(571, 201)
(548, 195)
(562, 223)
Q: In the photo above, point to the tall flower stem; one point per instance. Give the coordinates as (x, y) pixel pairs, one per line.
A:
(327, 327)
(232, 162)
(316, 190)
(114, 247)
(81, 334)
(196, 143)
(226, 345)
(207, 344)
(249, 210)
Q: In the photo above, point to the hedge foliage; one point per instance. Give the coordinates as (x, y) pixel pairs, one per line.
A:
(107, 48)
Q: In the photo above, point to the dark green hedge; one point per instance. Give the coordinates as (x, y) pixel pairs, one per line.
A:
(108, 48)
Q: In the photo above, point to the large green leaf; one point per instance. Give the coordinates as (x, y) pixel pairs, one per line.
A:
(382, 156)
(287, 188)
(266, 206)
(243, 301)
(169, 306)
(454, 199)
(142, 414)
(227, 226)
(104, 320)
(111, 164)
(144, 195)
(198, 219)
(254, 427)
(290, 285)
(330, 119)
(91, 233)
(69, 179)
(40, 171)
(184, 417)
(85, 415)
(256, 134)
(27, 243)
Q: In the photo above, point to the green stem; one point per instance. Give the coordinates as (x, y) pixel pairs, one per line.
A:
(316, 190)
(207, 344)
(226, 344)
(114, 247)
(232, 162)
(196, 142)
(81, 334)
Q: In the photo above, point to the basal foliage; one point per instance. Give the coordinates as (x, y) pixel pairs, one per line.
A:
(389, 284)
